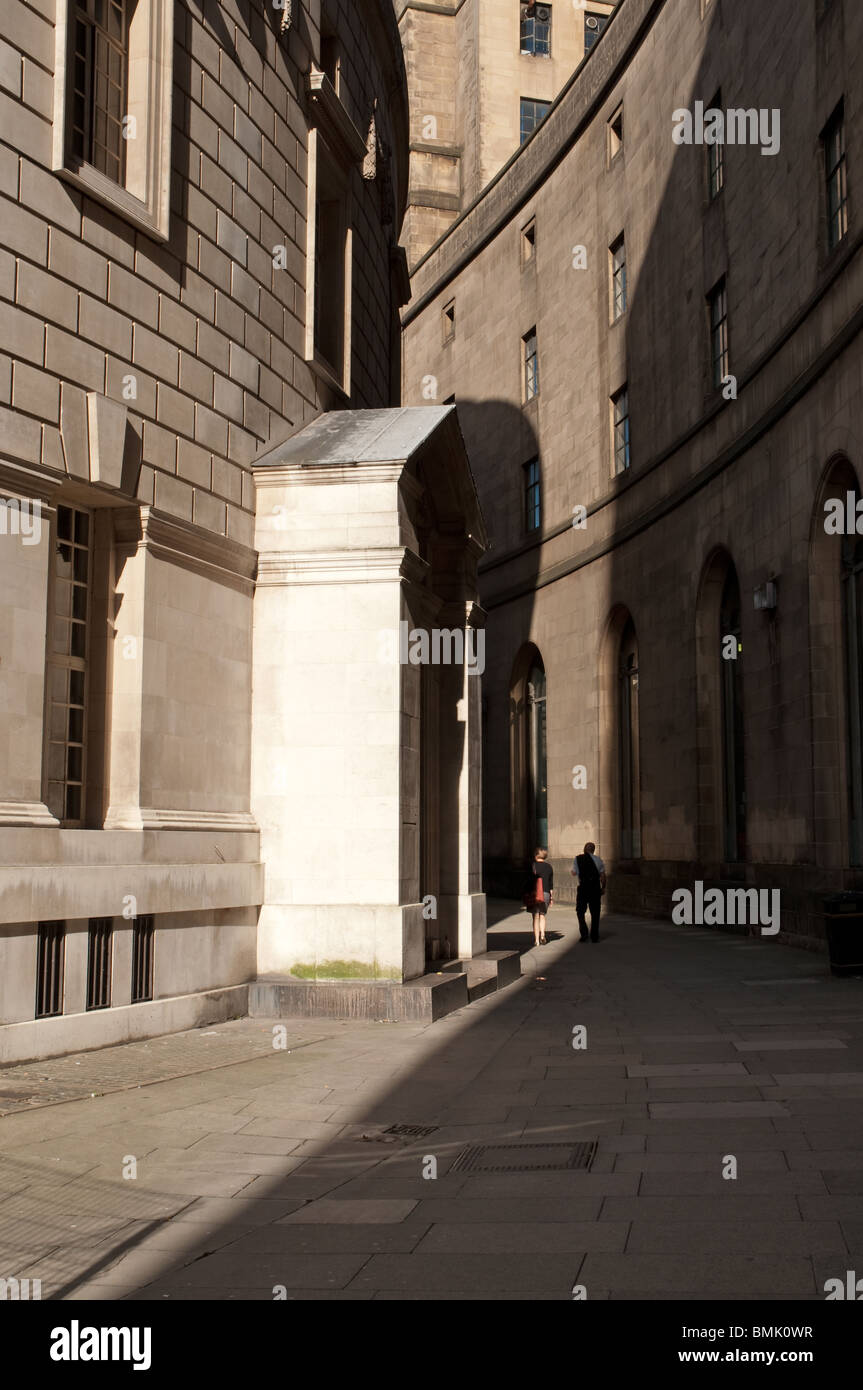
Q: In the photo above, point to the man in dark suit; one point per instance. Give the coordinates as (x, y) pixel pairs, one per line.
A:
(589, 870)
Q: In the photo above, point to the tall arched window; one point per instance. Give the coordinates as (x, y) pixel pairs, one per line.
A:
(537, 755)
(733, 772)
(852, 606)
(627, 742)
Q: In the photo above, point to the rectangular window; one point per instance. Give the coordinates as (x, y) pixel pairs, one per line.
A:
(113, 65)
(328, 323)
(532, 505)
(100, 938)
(49, 969)
(532, 113)
(531, 365)
(615, 134)
(617, 254)
(594, 23)
(837, 186)
(717, 302)
(448, 322)
(620, 424)
(66, 666)
(536, 30)
(142, 959)
(528, 242)
(715, 158)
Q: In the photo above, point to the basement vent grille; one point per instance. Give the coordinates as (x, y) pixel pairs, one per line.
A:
(412, 1131)
(524, 1158)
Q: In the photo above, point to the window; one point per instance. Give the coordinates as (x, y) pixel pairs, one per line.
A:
(537, 762)
(66, 665)
(715, 158)
(532, 503)
(852, 612)
(620, 428)
(142, 959)
(49, 969)
(528, 242)
(594, 23)
(330, 256)
(837, 188)
(628, 744)
(112, 105)
(718, 309)
(99, 944)
(531, 365)
(536, 30)
(331, 58)
(448, 321)
(734, 786)
(615, 134)
(617, 254)
(532, 113)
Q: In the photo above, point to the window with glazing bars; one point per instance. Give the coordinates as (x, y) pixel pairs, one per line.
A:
(100, 63)
(837, 187)
(620, 414)
(618, 278)
(531, 365)
(594, 23)
(532, 112)
(99, 963)
(49, 969)
(718, 303)
(536, 30)
(715, 158)
(66, 665)
(142, 959)
(532, 503)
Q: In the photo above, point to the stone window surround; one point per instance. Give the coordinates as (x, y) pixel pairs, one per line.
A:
(145, 200)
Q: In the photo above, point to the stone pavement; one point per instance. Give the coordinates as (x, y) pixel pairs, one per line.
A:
(260, 1169)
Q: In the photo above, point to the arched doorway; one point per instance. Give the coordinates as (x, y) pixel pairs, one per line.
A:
(721, 739)
(730, 647)
(528, 755)
(619, 740)
(852, 612)
(628, 745)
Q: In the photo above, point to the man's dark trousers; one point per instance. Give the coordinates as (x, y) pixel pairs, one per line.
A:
(588, 898)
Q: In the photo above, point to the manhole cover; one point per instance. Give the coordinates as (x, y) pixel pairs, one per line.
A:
(411, 1131)
(525, 1158)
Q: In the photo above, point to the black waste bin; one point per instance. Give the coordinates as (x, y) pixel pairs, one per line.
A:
(843, 919)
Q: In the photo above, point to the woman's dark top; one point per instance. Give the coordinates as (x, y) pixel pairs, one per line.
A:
(543, 870)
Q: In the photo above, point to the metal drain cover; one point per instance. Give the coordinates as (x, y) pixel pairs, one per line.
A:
(412, 1131)
(525, 1158)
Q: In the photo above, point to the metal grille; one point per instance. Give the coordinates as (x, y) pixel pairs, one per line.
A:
(99, 963)
(49, 969)
(142, 959)
(525, 1158)
(412, 1131)
(99, 78)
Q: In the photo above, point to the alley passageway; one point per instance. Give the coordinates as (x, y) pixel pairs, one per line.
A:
(262, 1169)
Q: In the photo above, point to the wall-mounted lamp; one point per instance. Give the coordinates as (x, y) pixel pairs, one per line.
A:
(765, 595)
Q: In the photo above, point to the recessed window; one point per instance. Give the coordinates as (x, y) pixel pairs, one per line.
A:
(532, 114)
(717, 302)
(836, 175)
(50, 961)
(331, 58)
(532, 500)
(113, 66)
(615, 134)
(448, 321)
(99, 944)
(594, 23)
(66, 665)
(617, 254)
(528, 242)
(715, 158)
(531, 365)
(142, 959)
(536, 30)
(620, 429)
(329, 252)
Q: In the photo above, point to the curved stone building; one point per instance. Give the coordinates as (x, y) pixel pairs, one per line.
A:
(649, 320)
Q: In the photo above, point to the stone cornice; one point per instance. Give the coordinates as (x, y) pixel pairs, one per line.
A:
(375, 565)
(330, 117)
(181, 543)
(156, 818)
(311, 475)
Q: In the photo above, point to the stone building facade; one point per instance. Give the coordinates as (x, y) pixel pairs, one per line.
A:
(199, 222)
(481, 73)
(653, 342)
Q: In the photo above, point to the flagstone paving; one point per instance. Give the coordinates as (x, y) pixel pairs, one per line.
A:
(725, 1101)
